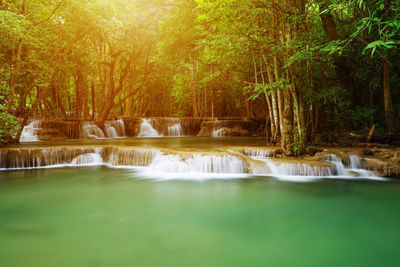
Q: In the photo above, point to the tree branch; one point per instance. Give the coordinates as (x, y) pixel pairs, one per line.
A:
(52, 13)
(379, 53)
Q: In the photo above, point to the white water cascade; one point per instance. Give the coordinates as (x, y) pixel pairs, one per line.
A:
(111, 131)
(29, 133)
(153, 159)
(115, 129)
(352, 168)
(175, 130)
(147, 130)
(354, 162)
(159, 164)
(262, 153)
(88, 159)
(218, 133)
(293, 169)
(197, 163)
(92, 131)
(132, 157)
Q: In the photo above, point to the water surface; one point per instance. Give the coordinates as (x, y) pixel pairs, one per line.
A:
(111, 217)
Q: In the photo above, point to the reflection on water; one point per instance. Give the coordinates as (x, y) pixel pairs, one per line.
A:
(109, 217)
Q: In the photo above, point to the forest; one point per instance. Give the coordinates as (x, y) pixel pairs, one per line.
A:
(311, 68)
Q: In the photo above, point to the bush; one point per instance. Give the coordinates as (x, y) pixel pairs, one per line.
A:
(8, 125)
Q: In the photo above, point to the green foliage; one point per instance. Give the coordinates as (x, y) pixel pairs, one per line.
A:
(361, 117)
(181, 94)
(257, 89)
(298, 144)
(8, 124)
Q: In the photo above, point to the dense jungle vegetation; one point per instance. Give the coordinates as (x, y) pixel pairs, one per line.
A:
(310, 67)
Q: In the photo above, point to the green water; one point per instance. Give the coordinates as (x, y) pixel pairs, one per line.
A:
(109, 217)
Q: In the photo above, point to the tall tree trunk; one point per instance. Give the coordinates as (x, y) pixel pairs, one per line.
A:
(192, 87)
(389, 112)
(93, 102)
(287, 125)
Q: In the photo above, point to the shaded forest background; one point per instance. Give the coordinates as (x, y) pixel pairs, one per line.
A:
(310, 67)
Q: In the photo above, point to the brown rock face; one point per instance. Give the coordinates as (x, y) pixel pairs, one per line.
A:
(386, 167)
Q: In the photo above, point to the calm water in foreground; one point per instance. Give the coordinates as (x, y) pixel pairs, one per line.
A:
(108, 217)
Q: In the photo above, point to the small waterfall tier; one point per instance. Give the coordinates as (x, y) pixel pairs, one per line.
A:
(88, 159)
(197, 163)
(115, 129)
(156, 127)
(132, 157)
(218, 133)
(35, 157)
(92, 131)
(57, 130)
(329, 166)
(175, 130)
(276, 168)
(154, 159)
(147, 130)
(348, 166)
(30, 132)
(161, 161)
(262, 153)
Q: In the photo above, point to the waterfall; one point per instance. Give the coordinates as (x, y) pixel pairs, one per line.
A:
(154, 159)
(115, 128)
(88, 159)
(175, 130)
(218, 133)
(111, 131)
(92, 131)
(354, 162)
(132, 157)
(161, 163)
(154, 127)
(261, 153)
(29, 133)
(36, 157)
(198, 164)
(337, 161)
(147, 130)
(293, 169)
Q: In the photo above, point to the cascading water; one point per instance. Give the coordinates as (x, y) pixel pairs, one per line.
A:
(36, 158)
(337, 161)
(261, 153)
(111, 131)
(169, 165)
(115, 129)
(198, 164)
(87, 159)
(353, 166)
(147, 130)
(218, 133)
(354, 162)
(132, 157)
(154, 159)
(92, 131)
(29, 133)
(175, 130)
(293, 169)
